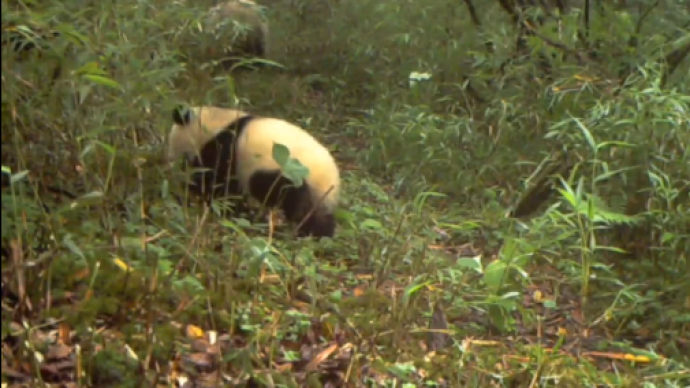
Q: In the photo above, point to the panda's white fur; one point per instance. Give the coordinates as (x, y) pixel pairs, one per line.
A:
(223, 20)
(237, 150)
(206, 122)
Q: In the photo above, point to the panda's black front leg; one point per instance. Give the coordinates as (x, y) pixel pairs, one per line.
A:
(232, 204)
(241, 209)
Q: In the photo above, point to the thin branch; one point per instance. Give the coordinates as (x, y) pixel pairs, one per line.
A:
(516, 14)
(561, 6)
(472, 92)
(473, 13)
(633, 41)
(477, 22)
(508, 7)
(547, 9)
(586, 16)
(673, 60)
(581, 59)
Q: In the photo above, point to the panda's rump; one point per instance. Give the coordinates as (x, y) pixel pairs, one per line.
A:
(272, 189)
(299, 204)
(255, 153)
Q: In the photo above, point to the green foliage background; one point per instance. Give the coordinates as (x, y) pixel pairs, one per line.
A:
(441, 126)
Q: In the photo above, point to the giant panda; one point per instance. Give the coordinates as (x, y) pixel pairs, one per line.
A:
(242, 23)
(235, 149)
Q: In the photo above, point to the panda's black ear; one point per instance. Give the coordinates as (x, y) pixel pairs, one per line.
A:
(182, 115)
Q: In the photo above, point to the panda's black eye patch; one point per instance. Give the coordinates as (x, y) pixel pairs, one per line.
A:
(182, 115)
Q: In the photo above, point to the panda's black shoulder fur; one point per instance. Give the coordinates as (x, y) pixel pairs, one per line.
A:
(182, 116)
(217, 157)
(238, 126)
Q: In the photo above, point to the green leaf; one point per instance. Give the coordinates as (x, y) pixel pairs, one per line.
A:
(667, 236)
(295, 172)
(73, 247)
(494, 274)
(291, 168)
(411, 290)
(336, 296)
(587, 134)
(474, 263)
(97, 79)
(281, 154)
(371, 224)
(91, 68)
(19, 176)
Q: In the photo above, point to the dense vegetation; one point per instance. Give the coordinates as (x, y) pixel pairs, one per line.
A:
(516, 206)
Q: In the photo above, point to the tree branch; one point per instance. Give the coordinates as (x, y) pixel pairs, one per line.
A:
(477, 23)
(581, 58)
(633, 41)
(508, 7)
(673, 60)
(473, 13)
(515, 8)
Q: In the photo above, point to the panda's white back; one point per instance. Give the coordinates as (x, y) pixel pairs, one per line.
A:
(254, 151)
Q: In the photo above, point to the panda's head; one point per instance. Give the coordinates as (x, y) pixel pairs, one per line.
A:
(194, 127)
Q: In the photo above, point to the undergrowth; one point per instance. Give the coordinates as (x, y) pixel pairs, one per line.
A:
(510, 216)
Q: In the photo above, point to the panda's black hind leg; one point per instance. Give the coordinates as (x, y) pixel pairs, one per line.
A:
(318, 224)
(271, 188)
(274, 190)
